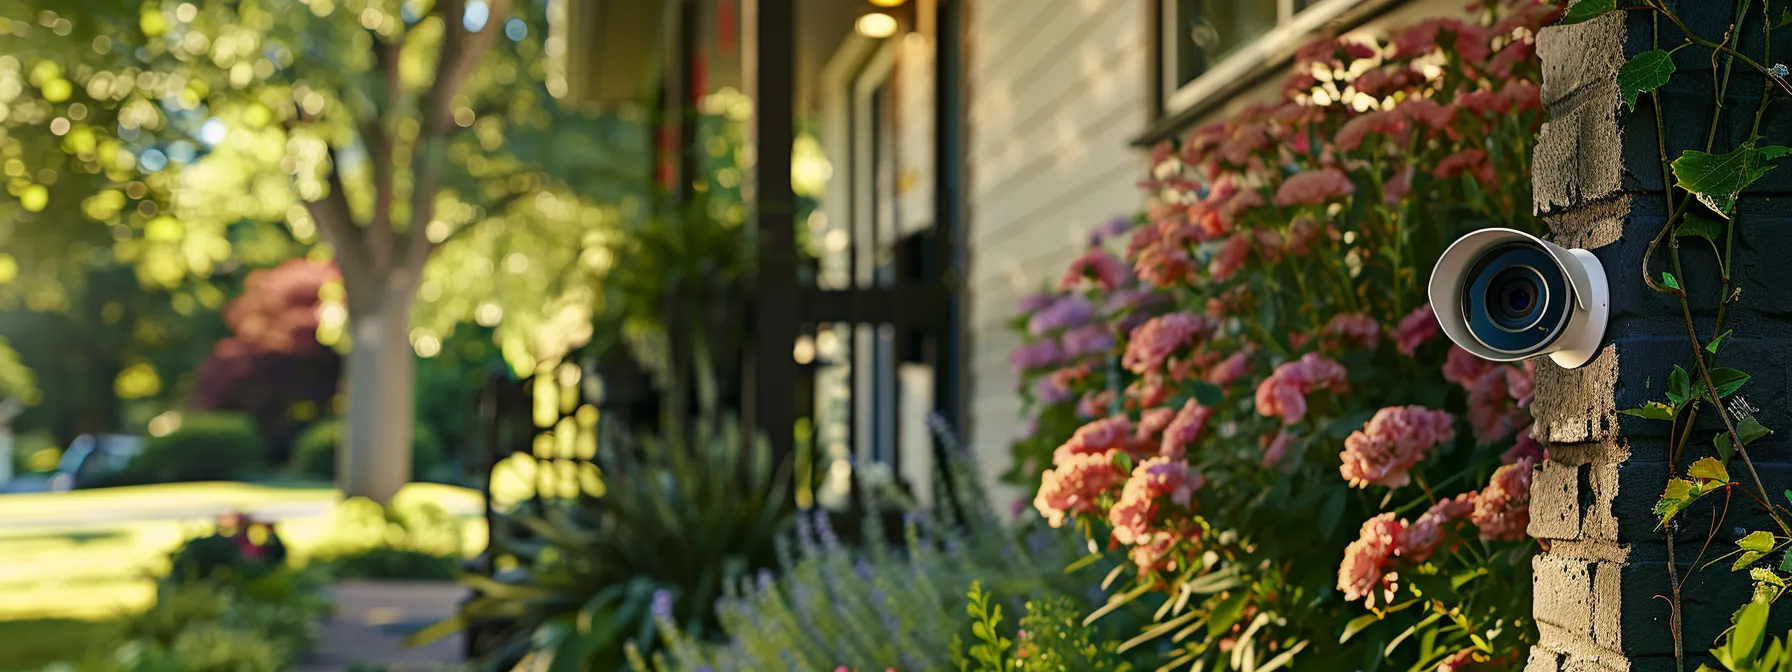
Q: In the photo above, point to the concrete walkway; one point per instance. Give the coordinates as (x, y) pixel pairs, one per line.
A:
(373, 618)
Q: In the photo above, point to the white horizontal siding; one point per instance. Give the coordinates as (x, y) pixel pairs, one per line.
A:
(1056, 88)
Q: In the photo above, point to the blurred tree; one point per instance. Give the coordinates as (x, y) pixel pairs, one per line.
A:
(394, 131)
(274, 325)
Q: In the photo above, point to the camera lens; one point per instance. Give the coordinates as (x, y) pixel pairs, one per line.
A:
(1516, 299)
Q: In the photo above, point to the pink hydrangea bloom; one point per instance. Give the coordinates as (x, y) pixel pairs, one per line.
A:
(1389, 124)
(1155, 479)
(1107, 271)
(1503, 508)
(1094, 404)
(1366, 569)
(1432, 114)
(1398, 437)
(1460, 661)
(1463, 368)
(1314, 187)
(1415, 329)
(1352, 331)
(1152, 423)
(1073, 486)
(1184, 429)
(1518, 96)
(1424, 535)
(1101, 436)
(1398, 187)
(1230, 257)
(1158, 338)
(1494, 410)
(1275, 447)
(1527, 447)
(1284, 393)
(1153, 553)
(1471, 161)
(1229, 369)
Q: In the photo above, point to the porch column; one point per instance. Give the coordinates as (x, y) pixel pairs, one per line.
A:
(1601, 583)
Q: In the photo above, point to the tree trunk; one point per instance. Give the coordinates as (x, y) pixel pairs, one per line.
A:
(376, 458)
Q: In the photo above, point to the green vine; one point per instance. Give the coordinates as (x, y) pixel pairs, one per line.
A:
(1700, 192)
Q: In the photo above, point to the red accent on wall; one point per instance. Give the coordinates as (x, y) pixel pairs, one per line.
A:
(727, 28)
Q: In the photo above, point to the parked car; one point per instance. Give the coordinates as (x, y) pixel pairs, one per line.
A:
(91, 456)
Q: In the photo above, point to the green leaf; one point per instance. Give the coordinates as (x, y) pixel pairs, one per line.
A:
(1760, 541)
(1331, 513)
(1123, 460)
(1226, 613)
(1458, 580)
(1699, 227)
(1710, 470)
(1082, 562)
(1717, 179)
(1586, 10)
(1717, 342)
(1208, 394)
(1679, 384)
(1728, 381)
(1680, 494)
(1653, 410)
(1356, 625)
(1750, 429)
(1646, 71)
(1669, 280)
(1725, 449)
(1751, 625)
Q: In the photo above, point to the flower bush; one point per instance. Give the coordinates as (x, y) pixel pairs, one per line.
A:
(1243, 389)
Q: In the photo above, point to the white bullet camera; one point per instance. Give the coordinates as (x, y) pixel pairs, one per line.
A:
(1506, 295)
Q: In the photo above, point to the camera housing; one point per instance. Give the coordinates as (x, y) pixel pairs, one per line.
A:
(1506, 295)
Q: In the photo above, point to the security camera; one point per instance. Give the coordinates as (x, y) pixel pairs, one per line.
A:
(1506, 295)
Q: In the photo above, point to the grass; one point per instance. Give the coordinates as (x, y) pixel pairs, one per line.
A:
(92, 554)
(30, 645)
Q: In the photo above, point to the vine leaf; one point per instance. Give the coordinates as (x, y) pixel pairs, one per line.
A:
(1749, 429)
(1652, 410)
(1586, 10)
(1680, 494)
(1669, 280)
(1759, 541)
(1747, 558)
(1679, 383)
(1728, 380)
(1708, 469)
(1700, 227)
(1717, 179)
(1646, 72)
(1715, 342)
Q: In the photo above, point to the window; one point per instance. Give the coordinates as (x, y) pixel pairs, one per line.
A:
(1211, 45)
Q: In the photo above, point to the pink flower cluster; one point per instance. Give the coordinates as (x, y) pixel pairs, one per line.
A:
(1498, 394)
(1368, 562)
(1153, 482)
(1154, 341)
(1398, 437)
(1074, 485)
(1097, 264)
(1284, 393)
(1415, 329)
(1503, 508)
(1347, 331)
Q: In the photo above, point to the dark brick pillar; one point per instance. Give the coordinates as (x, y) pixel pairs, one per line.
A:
(1598, 181)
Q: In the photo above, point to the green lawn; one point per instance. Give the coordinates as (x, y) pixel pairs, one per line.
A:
(67, 555)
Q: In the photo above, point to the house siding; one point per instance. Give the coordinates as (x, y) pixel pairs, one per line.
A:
(1056, 89)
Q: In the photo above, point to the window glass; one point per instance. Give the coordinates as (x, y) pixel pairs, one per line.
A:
(1204, 32)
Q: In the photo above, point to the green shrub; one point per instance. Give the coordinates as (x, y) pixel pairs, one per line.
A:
(314, 452)
(878, 608)
(683, 517)
(207, 447)
(372, 542)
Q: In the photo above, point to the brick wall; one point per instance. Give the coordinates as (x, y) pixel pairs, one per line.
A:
(1597, 178)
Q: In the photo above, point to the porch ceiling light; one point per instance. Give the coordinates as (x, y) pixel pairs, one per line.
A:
(876, 25)
(887, 3)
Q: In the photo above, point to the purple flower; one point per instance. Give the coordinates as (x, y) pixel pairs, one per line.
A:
(1036, 355)
(1114, 228)
(662, 605)
(824, 529)
(1035, 302)
(765, 579)
(1028, 428)
(1070, 311)
(1047, 391)
(1087, 339)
